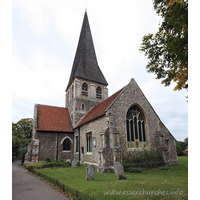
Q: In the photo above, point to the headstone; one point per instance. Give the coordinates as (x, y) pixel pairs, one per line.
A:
(74, 163)
(90, 172)
(119, 171)
(68, 160)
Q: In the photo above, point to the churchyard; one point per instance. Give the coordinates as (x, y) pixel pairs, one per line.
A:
(153, 184)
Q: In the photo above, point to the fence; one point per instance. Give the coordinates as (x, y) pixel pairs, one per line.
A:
(63, 187)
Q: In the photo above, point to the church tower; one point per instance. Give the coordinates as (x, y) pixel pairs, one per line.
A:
(87, 85)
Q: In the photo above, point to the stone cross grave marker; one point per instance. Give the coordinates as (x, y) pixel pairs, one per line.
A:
(119, 171)
(90, 172)
(74, 163)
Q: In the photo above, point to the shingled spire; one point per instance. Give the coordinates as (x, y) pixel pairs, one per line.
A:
(85, 62)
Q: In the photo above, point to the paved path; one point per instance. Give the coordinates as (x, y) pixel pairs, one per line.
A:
(29, 187)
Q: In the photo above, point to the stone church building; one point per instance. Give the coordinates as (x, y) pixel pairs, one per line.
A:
(92, 127)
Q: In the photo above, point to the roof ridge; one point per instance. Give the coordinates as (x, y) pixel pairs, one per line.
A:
(51, 106)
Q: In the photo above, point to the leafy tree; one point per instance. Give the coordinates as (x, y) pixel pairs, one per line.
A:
(179, 150)
(167, 50)
(15, 146)
(23, 128)
(186, 141)
(21, 137)
(183, 145)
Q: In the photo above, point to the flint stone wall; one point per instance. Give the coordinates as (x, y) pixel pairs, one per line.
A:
(50, 146)
(132, 95)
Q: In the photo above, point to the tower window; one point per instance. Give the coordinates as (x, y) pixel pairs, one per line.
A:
(67, 145)
(99, 93)
(135, 127)
(85, 89)
(83, 107)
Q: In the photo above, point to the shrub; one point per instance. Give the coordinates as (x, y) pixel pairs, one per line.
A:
(78, 163)
(48, 160)
(179, 150)
(145, 158)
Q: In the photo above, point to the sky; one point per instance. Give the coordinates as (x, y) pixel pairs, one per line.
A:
(45, 35)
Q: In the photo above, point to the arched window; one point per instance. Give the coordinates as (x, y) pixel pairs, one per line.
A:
(85, 89)
(99, 93)
(135, 127)
(67, 145)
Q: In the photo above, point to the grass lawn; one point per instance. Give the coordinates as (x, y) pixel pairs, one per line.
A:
(158, 182)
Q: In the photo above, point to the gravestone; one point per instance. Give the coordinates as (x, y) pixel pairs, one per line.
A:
(68, 160)
(74, 163)
(119, 171)
(90, 172)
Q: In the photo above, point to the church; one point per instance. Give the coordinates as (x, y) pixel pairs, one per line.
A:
(92, 127)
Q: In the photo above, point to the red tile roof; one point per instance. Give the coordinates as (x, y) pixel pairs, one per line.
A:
(99, 110)
(53, 119)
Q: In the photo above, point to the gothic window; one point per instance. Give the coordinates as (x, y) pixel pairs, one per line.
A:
(85, 89)
(76, 144)
(67, 145)
(89, 142)
(135, 127)
(99, 93)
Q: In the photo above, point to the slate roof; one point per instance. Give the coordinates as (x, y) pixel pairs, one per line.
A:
(51, 118)
(99, 110)
(85, 62)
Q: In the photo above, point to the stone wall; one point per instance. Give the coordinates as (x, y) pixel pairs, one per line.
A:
(95, 127)
(50, 146)
(132, 95)
(74, 99)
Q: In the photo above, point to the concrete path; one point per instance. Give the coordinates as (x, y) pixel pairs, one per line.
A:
(29, 187)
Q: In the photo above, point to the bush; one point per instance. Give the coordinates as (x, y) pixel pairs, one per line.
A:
(48, 163)
(145, 159)
(179, 150)
(78, 163)
(132, 169)
(48, 160)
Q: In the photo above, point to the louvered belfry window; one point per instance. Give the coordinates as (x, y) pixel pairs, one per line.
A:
(85, 89)
(135, 127)
(99, 93)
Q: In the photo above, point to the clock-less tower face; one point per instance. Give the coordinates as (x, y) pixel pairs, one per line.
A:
(82, 96)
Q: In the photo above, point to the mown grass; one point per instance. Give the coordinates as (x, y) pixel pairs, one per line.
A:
(172, 180)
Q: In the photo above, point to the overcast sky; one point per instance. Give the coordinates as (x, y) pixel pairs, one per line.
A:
(45, 35)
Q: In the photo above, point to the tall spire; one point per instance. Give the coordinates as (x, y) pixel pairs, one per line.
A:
(85, 62)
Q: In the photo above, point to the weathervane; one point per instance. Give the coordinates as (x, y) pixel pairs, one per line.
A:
(85, 5)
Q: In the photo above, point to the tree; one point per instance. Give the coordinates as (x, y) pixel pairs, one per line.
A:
(186, 140)
(179, 150)
(23, 128)
(21, 137)
(167, 50)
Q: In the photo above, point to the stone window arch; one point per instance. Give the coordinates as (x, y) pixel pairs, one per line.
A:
(84, 89)
(136, 128)
(66, 143)
(99, 92)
